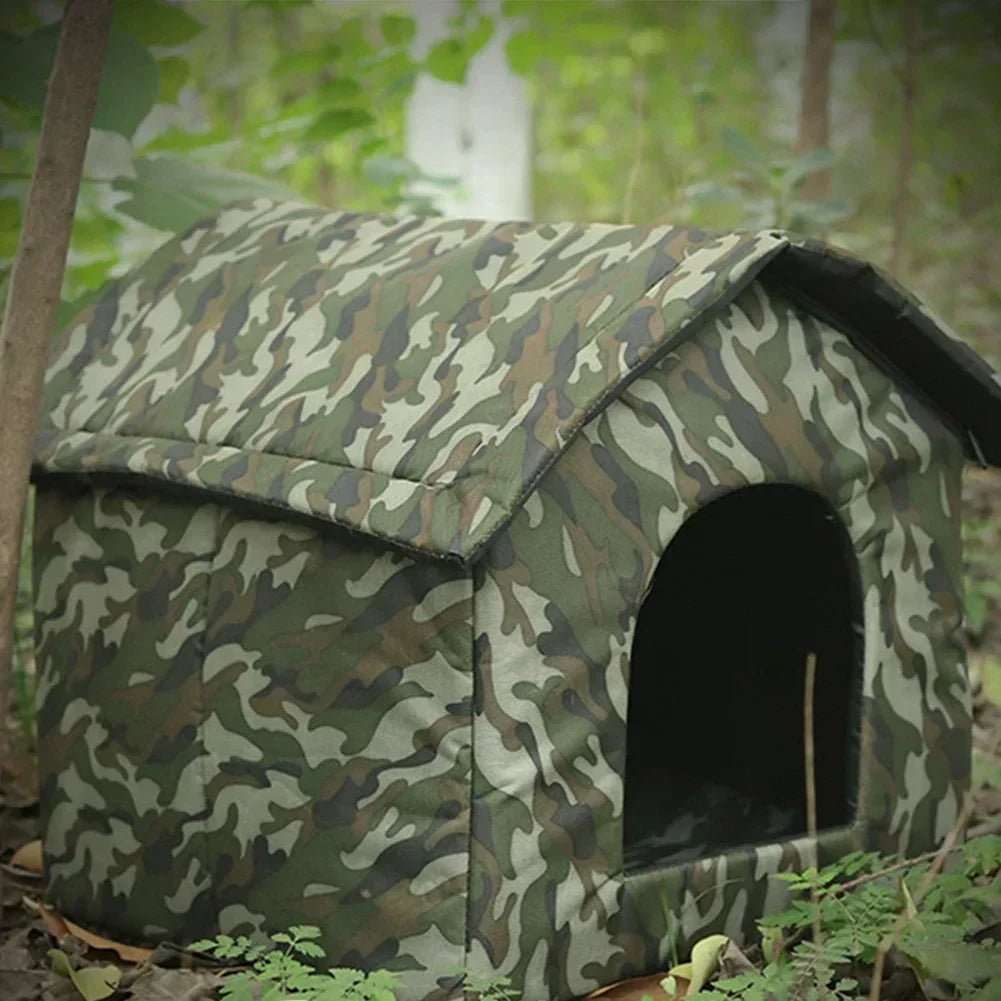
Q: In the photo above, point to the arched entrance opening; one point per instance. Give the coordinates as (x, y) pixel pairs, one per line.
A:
(749, 586)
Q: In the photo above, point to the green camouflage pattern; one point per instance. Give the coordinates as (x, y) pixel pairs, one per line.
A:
(410, 378)
(243, 358)
(412, 733)
(763, 394)
(249, 724)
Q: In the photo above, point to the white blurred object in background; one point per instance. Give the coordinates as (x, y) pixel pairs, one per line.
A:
(479, 132)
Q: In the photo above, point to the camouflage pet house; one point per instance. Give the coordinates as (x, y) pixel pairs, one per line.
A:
(449, 585)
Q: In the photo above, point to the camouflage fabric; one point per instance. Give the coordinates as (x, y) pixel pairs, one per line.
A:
(763, 394)
(412, 734)
(251, 724)
(409, 378)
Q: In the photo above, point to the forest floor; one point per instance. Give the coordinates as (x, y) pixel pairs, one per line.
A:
(29, 930)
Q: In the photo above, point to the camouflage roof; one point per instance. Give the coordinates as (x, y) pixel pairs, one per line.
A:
(412, 378)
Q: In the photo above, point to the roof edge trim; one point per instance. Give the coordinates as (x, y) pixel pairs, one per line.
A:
(908, 341)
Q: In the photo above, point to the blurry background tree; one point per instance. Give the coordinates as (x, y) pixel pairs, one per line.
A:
(871, 123)
(469, 118)
(34, 287)
(815, 99)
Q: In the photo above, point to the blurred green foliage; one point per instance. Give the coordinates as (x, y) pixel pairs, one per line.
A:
(681, 112)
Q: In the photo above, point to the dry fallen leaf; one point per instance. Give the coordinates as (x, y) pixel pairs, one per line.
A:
(637, 988)
(733, 961)
(130, 953)
(157, 984)
(54, 924)
(93, 983)
(29, 858)
(59, 928)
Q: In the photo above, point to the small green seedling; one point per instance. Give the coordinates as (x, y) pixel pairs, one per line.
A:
(278, 972)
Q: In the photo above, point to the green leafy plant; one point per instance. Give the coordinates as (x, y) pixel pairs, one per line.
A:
(767, 187)
(92, 983)
(449, 59)
(490, 988)
(946, 922)
(278, 971)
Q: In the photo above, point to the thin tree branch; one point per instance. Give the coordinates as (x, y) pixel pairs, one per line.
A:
(809, 761)
(632, 182)
(840, 889)
(992, 825)
(815, 97)
(35, 282)
(904, 918)
(951, 844)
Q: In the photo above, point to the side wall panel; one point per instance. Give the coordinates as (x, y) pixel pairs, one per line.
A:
(120, 592)
(248, 724)
(763, 394)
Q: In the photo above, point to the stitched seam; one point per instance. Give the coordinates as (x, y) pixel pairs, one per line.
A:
(824, 836)
(476, 572)
(244, 450)
(219, 490)
(210, 872)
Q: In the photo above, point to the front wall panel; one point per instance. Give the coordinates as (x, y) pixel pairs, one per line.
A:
(763, 394)
(248, 724)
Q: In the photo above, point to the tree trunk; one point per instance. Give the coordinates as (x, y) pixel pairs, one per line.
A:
(480, 132)
(35, 283)
(815, 101)
(905, 155)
